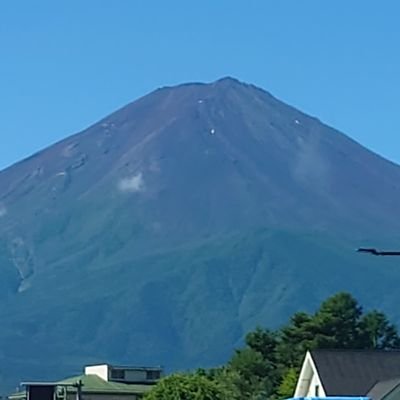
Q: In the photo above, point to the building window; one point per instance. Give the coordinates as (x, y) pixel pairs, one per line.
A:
(118, 374)
(152, 375)
(316, 390)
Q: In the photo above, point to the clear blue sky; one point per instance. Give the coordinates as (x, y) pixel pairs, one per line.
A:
(65, 64)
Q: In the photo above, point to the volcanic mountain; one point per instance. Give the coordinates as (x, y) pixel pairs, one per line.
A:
(164, 232)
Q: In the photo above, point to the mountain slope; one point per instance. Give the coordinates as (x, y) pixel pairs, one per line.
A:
(165, 231)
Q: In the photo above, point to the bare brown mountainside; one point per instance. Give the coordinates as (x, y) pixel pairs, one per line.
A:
(166, 230)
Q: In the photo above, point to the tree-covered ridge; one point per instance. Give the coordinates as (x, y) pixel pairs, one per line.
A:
(269, 363)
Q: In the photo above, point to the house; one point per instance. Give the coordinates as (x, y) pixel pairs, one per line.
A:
(124, 374)
(99, 382)
(365, 373)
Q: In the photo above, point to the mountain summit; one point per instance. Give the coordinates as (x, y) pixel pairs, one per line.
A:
(162, 233)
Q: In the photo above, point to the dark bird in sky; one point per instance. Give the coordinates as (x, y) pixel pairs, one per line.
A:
(376, 252)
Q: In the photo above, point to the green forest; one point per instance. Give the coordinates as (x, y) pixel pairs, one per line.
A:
(267, 366)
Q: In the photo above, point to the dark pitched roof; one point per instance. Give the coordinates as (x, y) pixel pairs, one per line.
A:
(354, 372)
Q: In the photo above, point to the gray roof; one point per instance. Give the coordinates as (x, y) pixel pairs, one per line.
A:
(383, 388)
(355, 372)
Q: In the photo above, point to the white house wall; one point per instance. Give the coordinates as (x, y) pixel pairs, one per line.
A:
(99, 370)
(314, 383)
(309, 380)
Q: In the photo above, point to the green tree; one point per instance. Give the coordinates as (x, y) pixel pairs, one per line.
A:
(269, 363)
(377, 332)
(288, 385)
(337, 322)
(229, 380)
(187, 387)
(295, 339)
(253, 375)
(264, 342)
